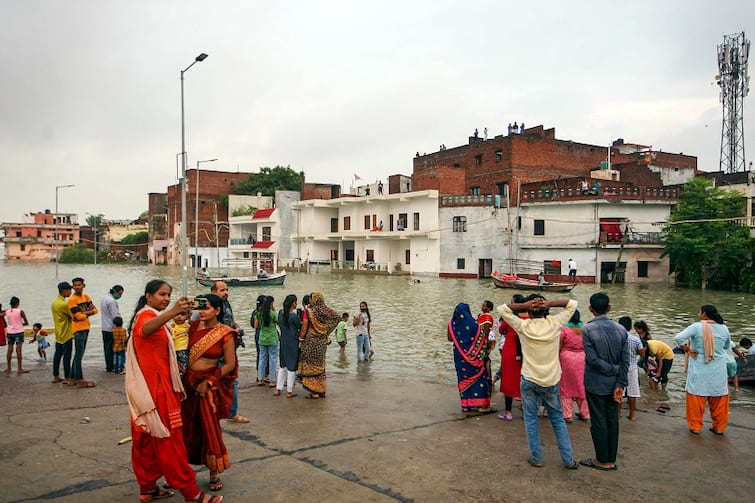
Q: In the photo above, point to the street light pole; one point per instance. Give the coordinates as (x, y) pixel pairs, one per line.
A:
(196, 218)
(94, 229)
(55, 221)
(184, 234)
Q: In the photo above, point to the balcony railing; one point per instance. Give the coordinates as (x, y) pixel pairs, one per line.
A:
(610, 193)
(481, 200)
(631, 238)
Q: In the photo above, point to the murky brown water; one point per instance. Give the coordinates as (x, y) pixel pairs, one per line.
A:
(409, 319)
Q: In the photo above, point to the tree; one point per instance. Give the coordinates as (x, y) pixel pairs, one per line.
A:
(136, 238)
(94, 220)
(268, 180)
(76, 255)
(705, 248)
(143, 214)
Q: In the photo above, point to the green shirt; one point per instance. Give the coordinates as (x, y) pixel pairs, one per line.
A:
(341, 331)
(61, 316)
(268, 334)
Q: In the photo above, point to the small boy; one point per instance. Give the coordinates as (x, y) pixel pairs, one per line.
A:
(40, 336)
(341, 332)
(744, 350)
(180, 329)
(119, 346)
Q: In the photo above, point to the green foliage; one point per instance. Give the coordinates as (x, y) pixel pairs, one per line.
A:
(76, 255)
(136, 238)
(243, 210)
(144, 214)
(705, 249)
(94, 220)
(268, 180)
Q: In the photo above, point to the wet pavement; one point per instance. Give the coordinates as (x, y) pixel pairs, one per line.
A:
(371, 439)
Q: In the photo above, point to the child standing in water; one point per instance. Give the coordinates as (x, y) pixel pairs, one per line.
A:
(341, 332)
(180, 329)
(40, 337)
(16, 322)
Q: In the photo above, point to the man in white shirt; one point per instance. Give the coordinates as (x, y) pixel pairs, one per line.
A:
(572, 268)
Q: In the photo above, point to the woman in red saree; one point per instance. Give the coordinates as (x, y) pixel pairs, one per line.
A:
(209, 389)
(154, 392)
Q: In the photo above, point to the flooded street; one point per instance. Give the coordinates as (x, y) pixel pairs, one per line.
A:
(409, 319)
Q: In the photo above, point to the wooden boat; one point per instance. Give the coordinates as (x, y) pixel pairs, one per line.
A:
(272, 279)
(513, 281)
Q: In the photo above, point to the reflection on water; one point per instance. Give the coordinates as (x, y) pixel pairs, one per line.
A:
(408, 319)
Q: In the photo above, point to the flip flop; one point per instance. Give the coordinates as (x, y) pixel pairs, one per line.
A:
(312, 396)
(716, 431)
(216, 485)
(56, 380)
(534, 463)
(291, 395)
(661, 410)
(591, 464)
(86, 384)
(155, 494)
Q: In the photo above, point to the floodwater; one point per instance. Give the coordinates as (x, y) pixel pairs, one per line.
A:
(408, 318)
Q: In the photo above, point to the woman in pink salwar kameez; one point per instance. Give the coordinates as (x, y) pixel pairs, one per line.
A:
(572, 357)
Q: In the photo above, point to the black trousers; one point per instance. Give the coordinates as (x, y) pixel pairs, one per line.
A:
(604, 426)
(107, 345)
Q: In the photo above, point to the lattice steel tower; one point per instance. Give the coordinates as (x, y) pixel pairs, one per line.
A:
(735, 85)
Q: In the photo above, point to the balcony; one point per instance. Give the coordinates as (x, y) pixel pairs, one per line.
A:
(631, 238)
(481, 200)
(613, 194)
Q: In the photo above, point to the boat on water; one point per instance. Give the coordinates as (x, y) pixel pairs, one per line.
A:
(515, 282)
(746, 371)
(270, 279)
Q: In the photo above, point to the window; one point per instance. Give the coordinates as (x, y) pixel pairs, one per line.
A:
(347, 223)
(407, 257)
(519, 223)
(460, 224)
(475, 191)
(460, 263)
(266, 233)
(503, 188)
(402, 221)
(416, 221)
(367, 222)
(23, 247)
(539, 227)
(642, 269)
(498, 156)
(370, 255)
(334, 225)
(478, 159)
(246, 254)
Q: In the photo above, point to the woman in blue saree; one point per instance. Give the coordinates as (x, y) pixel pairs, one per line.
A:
(470, 349)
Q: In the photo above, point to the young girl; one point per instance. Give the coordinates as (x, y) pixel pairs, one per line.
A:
(266, 322)
(16, 322)
(180, 328)
(40, 337)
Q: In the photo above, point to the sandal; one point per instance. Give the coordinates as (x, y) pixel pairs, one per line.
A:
(155, 494)
(291, 395)
(313, 396)
(203, 497)
(277, 392)
(216, 484)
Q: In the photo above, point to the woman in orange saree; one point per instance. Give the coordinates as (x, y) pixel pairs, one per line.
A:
(209, 389)
(154, 392)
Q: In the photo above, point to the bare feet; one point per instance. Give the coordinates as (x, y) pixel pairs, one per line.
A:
(23, 371)
(56, 380)
(7, 371)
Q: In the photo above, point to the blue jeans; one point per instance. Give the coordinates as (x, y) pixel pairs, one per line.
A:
(532, 395)
(62, 353)
(235, 402)
(119, 361)
(268, 360)
(80, 345)
(363, 346)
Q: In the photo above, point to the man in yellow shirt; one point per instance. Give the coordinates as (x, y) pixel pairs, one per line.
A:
(540, 336)
(61, 317)
(81, 307)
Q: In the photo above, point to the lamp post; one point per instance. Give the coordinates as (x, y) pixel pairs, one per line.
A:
(55, 220)
(196, 218)
(184, 248)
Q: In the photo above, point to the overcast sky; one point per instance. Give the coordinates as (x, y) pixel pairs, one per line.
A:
(90, 90)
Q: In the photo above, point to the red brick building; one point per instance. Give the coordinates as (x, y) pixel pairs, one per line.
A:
(496, 165)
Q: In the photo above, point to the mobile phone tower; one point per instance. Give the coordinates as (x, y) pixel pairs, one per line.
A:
(734, 85)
